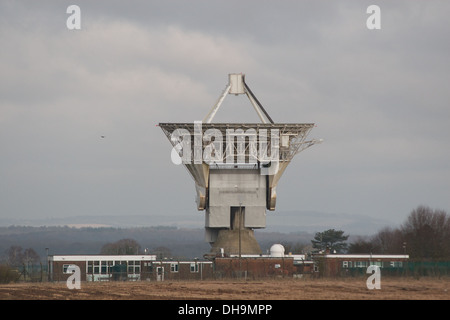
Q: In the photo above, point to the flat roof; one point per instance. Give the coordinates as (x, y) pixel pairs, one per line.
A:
(102, 257)
(292, 256)
(367, 256)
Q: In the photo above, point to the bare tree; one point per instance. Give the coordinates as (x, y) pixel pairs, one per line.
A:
(362, 245)
(15, 256)
(296, 248)
(427, 233)
(123, 246)
(18, 257)
(162, 252)
(389, 241)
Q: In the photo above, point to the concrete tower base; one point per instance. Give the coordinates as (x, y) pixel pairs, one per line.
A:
(238, 239)
(228, 240)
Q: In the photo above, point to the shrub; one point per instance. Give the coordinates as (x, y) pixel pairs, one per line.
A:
(8, 274)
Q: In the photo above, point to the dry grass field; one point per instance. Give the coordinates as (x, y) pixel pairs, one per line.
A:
(283, 289)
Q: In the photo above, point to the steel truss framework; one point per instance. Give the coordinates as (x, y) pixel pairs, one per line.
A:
(241, 139)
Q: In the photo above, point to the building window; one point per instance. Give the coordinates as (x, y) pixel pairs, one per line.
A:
(93, 267)
(134, 267)
(377, 263)
(174, 267)
(360, 264)
(97, 267)
(347, 264)
(194, 267)
(396, 264)
(65, 267)
(104, 268)
(137, 267)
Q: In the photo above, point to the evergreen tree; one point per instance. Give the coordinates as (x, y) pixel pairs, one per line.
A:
(330, 239)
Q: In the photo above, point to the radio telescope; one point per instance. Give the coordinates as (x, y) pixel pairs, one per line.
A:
(236, 168)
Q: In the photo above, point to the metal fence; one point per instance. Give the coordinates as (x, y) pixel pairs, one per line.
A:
(410, 268)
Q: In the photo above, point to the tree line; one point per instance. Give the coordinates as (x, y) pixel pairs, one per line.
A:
(425, 235)
(20, 263)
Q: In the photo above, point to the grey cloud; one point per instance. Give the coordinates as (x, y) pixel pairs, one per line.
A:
(379, 99)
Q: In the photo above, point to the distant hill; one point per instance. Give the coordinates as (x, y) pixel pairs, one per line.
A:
(181, 243)
(278, 221)
(183, 235)
(185, 243)
(312, 221)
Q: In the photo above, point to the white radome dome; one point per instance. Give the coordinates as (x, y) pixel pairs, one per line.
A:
(277, 250)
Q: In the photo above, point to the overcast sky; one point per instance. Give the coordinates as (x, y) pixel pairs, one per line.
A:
(380, 100)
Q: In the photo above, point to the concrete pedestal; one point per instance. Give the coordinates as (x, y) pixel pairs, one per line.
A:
(229, 240)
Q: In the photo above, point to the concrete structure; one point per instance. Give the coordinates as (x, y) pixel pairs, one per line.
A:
(236, 168)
